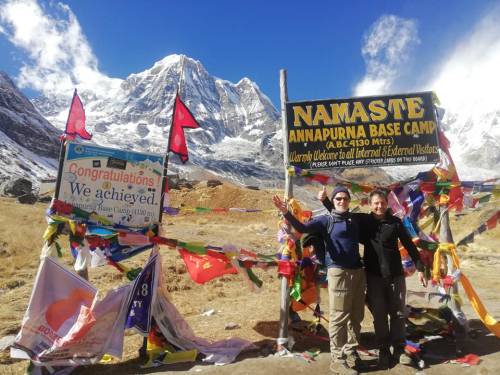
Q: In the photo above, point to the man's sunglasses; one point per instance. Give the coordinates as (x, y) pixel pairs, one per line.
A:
(342, 199)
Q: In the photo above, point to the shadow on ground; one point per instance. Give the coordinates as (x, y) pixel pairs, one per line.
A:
(480, 342)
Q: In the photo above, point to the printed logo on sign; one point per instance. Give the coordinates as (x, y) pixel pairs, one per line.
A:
(116, 163)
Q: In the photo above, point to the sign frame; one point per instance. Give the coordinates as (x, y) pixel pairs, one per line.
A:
(327, 120)
(121, 185)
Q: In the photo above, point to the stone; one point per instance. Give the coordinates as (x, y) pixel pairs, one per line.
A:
(6, 342)
(213, 183)
(27, 199)
(16, 187)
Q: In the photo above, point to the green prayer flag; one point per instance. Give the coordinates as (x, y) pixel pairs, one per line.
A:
(356, 188)
(80, 213)
(253, 277)
(427, 245)
(193, 247)
(201, 209)
(58, 249)
(485, 198)
(133, 273)
(296, 290)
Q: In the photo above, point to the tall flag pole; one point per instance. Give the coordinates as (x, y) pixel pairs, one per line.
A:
(181, 118)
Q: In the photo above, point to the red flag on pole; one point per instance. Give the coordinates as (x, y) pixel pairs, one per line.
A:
(182, 118)
(76, 121)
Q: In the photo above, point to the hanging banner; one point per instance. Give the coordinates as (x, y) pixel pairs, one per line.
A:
(66, 324)
(143, 296)
(363, 132)
(122, 186)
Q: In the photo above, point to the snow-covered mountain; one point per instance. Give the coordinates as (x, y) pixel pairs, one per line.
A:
(475, 145)
(475, 140)
(239, 136)
(29, 144)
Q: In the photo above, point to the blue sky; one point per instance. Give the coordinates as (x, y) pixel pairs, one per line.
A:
(328, 47)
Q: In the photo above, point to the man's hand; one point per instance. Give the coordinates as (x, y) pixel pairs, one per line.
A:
(423, 280)
(280, 205)
(322, 194)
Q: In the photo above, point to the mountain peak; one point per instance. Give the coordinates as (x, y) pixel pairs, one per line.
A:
(235, 118)
(246, 81)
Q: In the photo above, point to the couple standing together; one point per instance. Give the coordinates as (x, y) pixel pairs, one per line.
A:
(380, 273)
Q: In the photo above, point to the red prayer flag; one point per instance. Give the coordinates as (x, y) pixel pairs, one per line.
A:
(203, 268)
(456, 195)
(492, 221)
(321, 178)
(182, 118)
(76, 120)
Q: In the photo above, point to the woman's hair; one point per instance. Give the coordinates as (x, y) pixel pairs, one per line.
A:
(380, 192)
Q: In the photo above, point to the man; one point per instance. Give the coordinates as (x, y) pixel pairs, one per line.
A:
(346, 278)
(386, 286)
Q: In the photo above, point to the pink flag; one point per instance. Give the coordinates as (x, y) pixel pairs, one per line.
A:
(76, 121)
(450, 173)
(182, 118)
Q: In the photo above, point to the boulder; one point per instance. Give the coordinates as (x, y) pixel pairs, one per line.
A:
(184, 184)
(16, 187)
(27, 199)
(252, 187)
(173, 181)
(45, 198)
(213, 183)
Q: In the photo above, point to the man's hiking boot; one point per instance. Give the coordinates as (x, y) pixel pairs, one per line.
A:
(354, 361)
(341, 368)
(403, 358)
(384, 359)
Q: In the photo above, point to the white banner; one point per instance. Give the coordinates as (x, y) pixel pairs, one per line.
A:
(178, 332)
(123, 186)
(65, 324)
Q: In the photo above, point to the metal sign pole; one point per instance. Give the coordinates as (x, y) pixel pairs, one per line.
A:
(282, 340)
(445, 236)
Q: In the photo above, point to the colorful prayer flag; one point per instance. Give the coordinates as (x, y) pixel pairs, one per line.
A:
(492, 221)
(203, 268)
(143, 296)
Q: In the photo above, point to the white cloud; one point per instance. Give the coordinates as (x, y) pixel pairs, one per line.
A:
(467, 82)
(385, 50)
(60, 57)
(468, 79)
